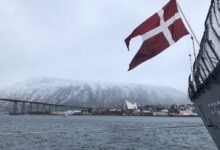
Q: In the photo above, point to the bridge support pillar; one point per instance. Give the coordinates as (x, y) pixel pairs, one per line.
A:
(55, 108)
(43, 109)
(23, 108)
(14, 112)
(30, 108)
(49, 108)
(37, 108)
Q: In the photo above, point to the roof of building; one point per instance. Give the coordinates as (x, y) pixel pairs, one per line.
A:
(129, 105)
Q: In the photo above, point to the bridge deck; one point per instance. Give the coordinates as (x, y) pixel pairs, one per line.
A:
(40, 103)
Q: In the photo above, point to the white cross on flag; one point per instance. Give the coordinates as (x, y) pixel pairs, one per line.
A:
(158, 32)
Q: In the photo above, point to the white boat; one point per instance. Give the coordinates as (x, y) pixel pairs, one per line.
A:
(72, 112)
(163, 112)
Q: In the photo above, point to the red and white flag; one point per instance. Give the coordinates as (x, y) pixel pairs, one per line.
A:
(158, 32)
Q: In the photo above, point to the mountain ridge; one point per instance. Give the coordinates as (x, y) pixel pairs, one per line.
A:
(92, 94)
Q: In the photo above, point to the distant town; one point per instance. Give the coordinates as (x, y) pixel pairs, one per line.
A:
(132, 109)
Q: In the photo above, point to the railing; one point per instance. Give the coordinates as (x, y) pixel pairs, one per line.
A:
(207, 62)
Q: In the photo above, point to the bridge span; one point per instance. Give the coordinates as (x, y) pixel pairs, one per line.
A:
(33, 107)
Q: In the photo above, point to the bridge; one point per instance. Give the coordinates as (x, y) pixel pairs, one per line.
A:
(32, 107)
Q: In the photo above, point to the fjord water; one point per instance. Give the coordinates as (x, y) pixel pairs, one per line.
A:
(102, 133)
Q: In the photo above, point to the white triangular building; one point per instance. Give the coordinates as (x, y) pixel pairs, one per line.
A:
(129, 106)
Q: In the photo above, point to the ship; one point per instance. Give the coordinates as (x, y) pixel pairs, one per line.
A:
(204, 81)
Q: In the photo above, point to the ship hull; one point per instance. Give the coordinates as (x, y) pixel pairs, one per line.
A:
(204, 81)
(208, 106)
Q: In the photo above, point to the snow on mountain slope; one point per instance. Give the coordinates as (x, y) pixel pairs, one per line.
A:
(59, 91)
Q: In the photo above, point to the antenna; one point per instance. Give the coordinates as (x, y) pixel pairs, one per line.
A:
(190, 59)
(194, 50)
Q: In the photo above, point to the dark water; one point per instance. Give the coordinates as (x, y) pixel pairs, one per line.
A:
(102, 133)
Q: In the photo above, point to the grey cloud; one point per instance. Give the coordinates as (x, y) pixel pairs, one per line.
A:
(84, 39)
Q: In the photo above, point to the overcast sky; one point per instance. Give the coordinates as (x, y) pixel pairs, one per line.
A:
(84, 40)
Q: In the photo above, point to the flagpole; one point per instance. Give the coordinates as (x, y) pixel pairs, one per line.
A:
(197, 41)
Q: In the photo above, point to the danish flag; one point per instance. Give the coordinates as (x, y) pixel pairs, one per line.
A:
(158, 32)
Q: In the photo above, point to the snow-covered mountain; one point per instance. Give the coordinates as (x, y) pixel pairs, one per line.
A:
(92, 94)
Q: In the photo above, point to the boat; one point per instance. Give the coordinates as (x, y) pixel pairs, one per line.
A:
(204, 81)
(139, 112)
(184, 113)
(73, 112)
(163, 112)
